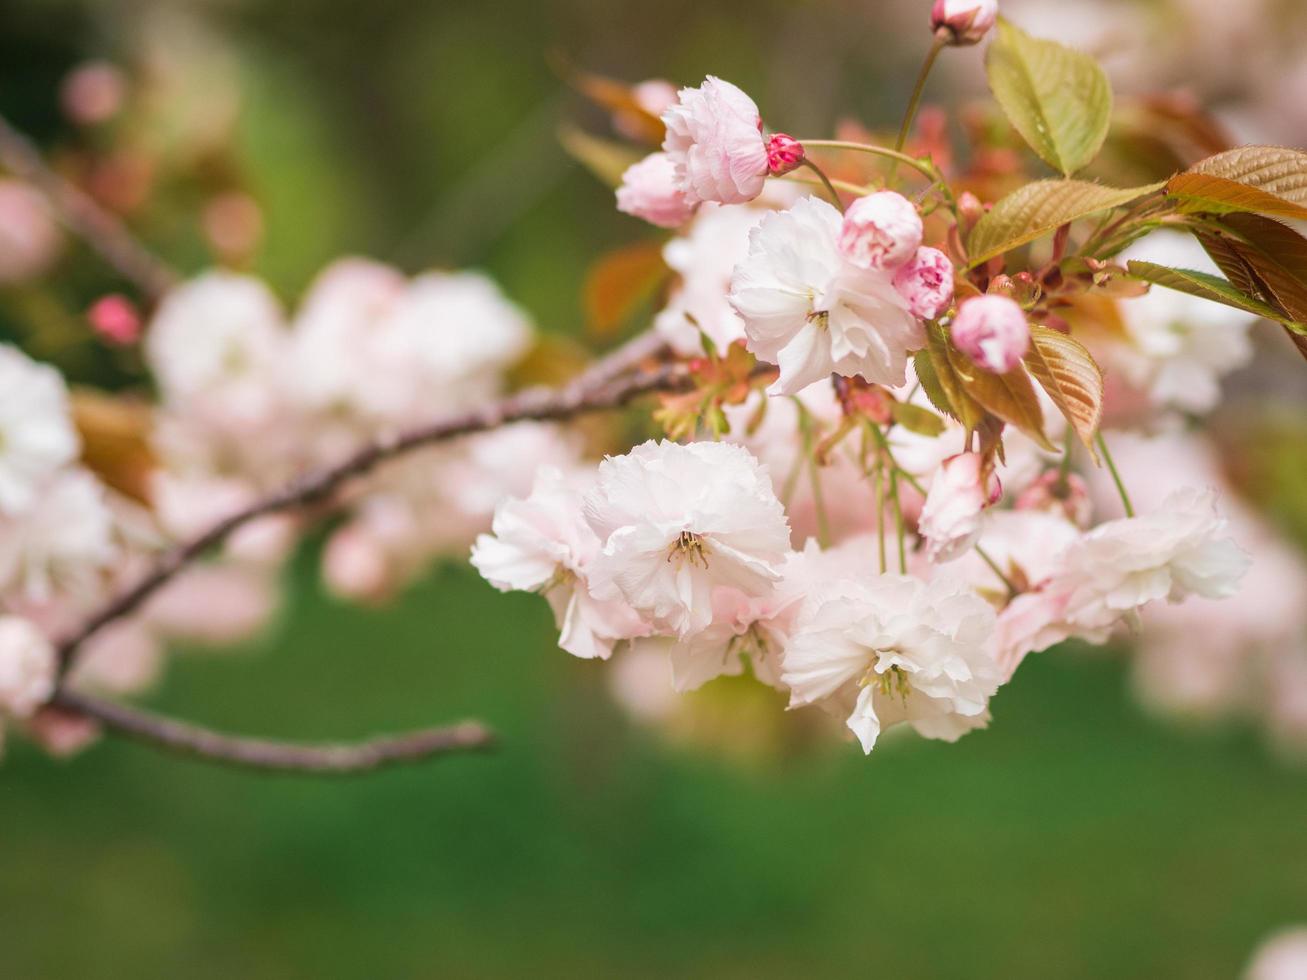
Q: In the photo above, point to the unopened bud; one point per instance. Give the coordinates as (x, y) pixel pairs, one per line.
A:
(992, 331)
(784, 153)
(964, 22)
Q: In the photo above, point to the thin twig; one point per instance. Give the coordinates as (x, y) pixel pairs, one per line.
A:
(335, 759)
(84, 218)
(534, 404)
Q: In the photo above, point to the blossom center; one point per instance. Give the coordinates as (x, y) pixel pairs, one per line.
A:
(892, 682)
(690, 547)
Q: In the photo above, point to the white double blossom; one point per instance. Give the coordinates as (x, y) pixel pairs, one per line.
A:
(36, 430)
(888, 650)
(679, 522)
(809, 310)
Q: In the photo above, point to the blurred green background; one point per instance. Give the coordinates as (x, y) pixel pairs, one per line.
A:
(1074, 839)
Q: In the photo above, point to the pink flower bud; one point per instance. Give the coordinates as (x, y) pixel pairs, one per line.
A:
(714, 139)
(784, 153)
(1066, 495)
(926, 282)
(951, 516)
(992, 331)
(881, 231)
(649, 191)
(965, 21)
(115, 318)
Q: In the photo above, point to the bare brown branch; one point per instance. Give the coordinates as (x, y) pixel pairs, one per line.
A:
(336, 759)
(84, 218)
(534, 404)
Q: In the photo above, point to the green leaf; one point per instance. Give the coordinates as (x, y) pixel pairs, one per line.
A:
(1219, 195)
(606, 159)
(1041, 208)
(1202, 285)
(916, 419)
(941, 382)
(1009, 396)
(1070, 377)
(1058, 98)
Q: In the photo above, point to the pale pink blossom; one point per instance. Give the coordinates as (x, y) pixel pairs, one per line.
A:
(445, 345)
(356, 566)
(1179, 346)
(1282, 956)
(952, 514)
(704, 256)
(677, 522)
(27, 667)
(1064, 493)
(811, 312)
(714, 140)
(214, 604)
(122, 658)
(880, 231)
(1178, 551)
(543, 544)
(61, 733)
(890, 649)
(965, 21)
(992, 331)
(36, 430)
(925, 281)
(115, 318)
(93, 92)
(63, 542)
(30, 241)
(753, 628)
(649, 191)
(214, 332)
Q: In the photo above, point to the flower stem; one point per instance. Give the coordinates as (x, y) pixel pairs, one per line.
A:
(880, 514)
(1116, 476)
(830, 188)
(923, 167)
(1012, 590)
(898, 521)
(935, 48)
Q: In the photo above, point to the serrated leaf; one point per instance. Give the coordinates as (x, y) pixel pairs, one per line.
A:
(1070, 377)
(1218, 195)
(916, 419)
(606, 159)
(953, 398)
(1041, 208)
(1058, 98)
(1276, 170)
(1203, 285)
(1011, 396)
(1276, 256)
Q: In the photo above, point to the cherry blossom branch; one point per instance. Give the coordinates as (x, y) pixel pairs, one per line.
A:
(84, 218)
(332, 759)
(592, 392)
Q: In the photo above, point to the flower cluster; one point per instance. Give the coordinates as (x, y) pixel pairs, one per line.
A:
(892, 380)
